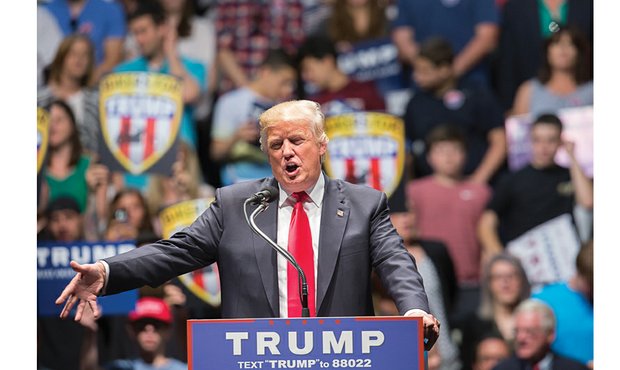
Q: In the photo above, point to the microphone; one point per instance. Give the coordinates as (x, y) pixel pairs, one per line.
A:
(268, 194)
(263, 197)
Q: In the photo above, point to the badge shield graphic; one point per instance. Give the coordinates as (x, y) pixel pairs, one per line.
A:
(42, 136)
(204, 283)
(140, 117)
(366, 148)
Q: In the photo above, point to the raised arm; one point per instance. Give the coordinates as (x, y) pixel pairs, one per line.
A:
(584, 193)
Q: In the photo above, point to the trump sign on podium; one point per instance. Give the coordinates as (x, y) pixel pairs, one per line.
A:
(379, 343)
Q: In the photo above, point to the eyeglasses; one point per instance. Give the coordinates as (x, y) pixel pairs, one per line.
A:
(509, 276)
(530, 332)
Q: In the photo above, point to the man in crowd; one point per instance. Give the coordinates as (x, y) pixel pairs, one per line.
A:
(535, 330)
(235, 128)
(538, 192)
(157, 42)
(489, 352)
(335, 91)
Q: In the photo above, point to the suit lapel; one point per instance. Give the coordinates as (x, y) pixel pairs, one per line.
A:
(334, 219)
(266, 257)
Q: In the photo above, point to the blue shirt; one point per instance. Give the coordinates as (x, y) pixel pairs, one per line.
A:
(99, 20)
(575, 321)
(454, 20)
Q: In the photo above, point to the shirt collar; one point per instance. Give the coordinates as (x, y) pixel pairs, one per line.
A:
(315, 193)
(546, 362)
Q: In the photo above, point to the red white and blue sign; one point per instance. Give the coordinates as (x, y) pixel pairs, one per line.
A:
(381, 343)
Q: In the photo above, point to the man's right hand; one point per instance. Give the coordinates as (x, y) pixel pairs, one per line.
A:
(85, 286)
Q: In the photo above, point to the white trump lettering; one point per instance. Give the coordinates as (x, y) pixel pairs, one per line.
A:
(237, 338)
(373, 338)
(308, 343)
(80, 255)
(42, 255)
(333, 345)
(267, 339)
(60, 256)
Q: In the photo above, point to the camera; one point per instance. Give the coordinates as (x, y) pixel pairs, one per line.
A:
(120, 215)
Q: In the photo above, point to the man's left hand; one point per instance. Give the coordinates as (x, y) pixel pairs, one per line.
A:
(431, 327)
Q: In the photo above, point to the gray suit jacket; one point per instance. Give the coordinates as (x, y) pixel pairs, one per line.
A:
(351, 243)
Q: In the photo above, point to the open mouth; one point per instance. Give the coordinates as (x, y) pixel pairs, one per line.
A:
(291, 168)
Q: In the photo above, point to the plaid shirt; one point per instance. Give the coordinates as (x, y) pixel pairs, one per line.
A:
(249, 28)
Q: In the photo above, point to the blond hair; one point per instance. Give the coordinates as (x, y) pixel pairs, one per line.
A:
(305, 111)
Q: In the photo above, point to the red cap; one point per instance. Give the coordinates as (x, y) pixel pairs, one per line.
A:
(151, 308)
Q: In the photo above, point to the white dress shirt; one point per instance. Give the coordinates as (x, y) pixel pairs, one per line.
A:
(313, 207)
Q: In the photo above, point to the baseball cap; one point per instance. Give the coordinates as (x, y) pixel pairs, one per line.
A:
(63, 203)
(151, 308)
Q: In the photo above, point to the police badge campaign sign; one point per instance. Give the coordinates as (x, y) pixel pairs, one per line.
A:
(140, 119)
(366, 148)
(204, 283)
(42, 136)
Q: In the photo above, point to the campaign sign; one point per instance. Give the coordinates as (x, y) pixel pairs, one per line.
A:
(577, 125)
(374, 60)
(140, 119)
(366, 148)
(381, 343)
(548, 251)
(42, 136)
(54, 273)
(204, 283)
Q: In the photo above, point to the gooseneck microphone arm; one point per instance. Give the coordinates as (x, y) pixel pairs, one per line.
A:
(305, 311)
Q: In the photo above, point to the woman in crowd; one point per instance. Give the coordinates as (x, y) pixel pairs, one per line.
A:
(565, 79)
(70, 79)
(129, 207)
(66, 166)
(504, 286)
(353, 21)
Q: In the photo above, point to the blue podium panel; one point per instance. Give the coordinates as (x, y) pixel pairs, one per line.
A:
(380, 343)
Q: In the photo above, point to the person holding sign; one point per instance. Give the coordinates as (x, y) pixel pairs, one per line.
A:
(537, 193)
(335, 91)
(157, 41)
(338, 231)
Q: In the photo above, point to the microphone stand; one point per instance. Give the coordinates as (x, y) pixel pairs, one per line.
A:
(305, 311)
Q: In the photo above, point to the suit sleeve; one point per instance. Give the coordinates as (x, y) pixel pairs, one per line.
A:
(192, 248)
(394, 265)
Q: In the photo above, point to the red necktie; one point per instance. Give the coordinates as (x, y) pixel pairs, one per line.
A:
(300, 246)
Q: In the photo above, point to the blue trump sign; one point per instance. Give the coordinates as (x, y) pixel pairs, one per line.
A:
(375, 60)
(54, 273)
(380, 343)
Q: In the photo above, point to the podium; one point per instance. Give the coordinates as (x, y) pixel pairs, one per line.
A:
(380, 343)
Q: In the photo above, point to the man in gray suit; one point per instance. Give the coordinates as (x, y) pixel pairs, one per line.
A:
(350, 228)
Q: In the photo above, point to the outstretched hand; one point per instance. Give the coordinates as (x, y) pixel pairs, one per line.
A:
(84, 287)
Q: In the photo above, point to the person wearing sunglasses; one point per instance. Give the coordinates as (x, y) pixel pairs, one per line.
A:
(149, 325)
